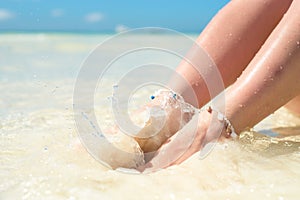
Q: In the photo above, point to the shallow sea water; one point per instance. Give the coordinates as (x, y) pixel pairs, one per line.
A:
(41, 158)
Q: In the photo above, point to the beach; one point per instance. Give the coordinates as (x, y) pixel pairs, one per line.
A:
(42, 158)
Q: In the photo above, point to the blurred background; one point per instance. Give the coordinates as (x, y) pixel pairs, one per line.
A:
(105, 16)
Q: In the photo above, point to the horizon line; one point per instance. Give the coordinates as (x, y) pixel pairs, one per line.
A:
(75, 31)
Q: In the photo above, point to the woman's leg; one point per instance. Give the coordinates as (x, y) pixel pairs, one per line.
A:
(270, 80)
(272, 77)
(232, 39)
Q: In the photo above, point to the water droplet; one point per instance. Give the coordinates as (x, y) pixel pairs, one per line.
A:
(54, 90)
(220, 117)
(281, 67)
(115, 87)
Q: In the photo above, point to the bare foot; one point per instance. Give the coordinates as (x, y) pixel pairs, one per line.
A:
(168, 113)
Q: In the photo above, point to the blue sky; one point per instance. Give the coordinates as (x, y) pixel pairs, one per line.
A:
(106, 15)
